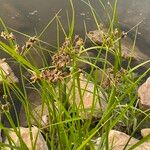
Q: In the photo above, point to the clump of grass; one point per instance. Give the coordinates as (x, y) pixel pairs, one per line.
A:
(67, 128)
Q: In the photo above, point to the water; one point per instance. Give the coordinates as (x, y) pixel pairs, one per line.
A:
(32, 16)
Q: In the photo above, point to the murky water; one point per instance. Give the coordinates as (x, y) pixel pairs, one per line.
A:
(31, 16)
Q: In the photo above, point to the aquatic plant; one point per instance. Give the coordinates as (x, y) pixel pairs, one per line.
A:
(68, 126)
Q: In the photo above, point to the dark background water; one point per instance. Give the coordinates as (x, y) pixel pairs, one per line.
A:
(32, 15)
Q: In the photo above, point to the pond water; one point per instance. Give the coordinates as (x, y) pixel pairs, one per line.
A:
(31, 16)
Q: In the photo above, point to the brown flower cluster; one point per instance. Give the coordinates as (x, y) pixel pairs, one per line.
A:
(30, 42)
(4, 107)
(78, 43)
(28, 45)
(110, 79)
(61, 62)
(61, 59)
(53, 75)
(18, 48)
(7, 36)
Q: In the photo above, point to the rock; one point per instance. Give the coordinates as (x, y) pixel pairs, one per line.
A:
(145, 132)
(118, 140)
(98, 105)
(41, 114)
(6, 72)
(144, 95)
(97, 36)
(40, 117)
(39, 111)
(25, 135)
(34, 100)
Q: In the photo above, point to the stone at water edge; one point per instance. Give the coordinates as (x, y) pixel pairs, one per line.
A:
(96, 36)
(144, 95)
(127, 44)
(6, 72)
(34, 100)
(87, 88)
(145, 132)
(117, 141)
(25, 134)
(41, 114)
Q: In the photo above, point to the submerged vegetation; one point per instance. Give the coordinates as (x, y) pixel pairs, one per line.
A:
(84, 91)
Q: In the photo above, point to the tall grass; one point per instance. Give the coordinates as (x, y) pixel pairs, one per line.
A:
(68, 129)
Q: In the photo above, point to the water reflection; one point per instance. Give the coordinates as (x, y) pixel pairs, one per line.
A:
(31, 16)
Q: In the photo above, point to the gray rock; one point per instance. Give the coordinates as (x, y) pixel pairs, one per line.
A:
(37, 138)
(118, 140)
(87, 105)
(6, 73)
(144, 95)
(145, 132)
(34, 100)
(96, 36)
(41, 115)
